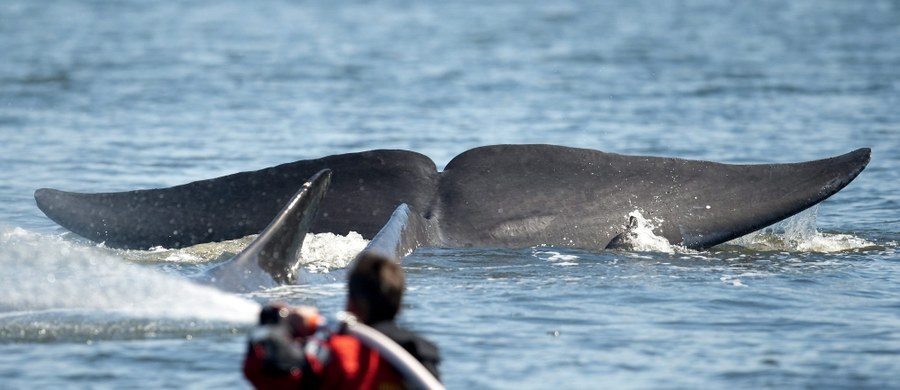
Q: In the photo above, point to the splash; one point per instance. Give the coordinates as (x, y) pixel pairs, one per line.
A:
(639, 236)
(323, 252)
(49, 274)
(800, 234)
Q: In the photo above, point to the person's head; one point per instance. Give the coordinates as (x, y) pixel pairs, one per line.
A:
(375, 287)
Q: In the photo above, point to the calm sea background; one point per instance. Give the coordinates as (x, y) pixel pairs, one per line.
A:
(116, 95)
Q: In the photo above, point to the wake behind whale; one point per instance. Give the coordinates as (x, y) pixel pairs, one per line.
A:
(55, 289)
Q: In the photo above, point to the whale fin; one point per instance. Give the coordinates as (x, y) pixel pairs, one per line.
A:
(273, 257)
(405, 231)
(625, 240)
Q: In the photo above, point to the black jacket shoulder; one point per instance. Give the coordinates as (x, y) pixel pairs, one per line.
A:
(423, 350)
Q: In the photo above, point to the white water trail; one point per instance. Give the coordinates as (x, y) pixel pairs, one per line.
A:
(41, 273)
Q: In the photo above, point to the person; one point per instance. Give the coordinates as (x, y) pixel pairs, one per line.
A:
(292, 348)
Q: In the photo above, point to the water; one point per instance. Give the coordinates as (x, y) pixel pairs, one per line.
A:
(110, 96)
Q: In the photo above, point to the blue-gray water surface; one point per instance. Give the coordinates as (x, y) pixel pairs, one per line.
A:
(102, 96)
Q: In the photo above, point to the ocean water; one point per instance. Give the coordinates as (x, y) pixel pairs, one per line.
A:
(102, 96)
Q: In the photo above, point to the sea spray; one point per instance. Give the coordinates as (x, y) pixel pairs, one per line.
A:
(46, 273)
(800, 234)
(639, 236)
(323, 252)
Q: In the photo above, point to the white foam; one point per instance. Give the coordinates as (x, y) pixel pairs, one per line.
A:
(641, 238)
(323, 252)
(732, 280)
(196, 254)
(557, 258)
(800, 234)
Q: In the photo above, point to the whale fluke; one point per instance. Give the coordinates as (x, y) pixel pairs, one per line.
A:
(365, 190)
(522, 195)
(497, 196)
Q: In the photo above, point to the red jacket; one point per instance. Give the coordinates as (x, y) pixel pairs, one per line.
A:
(356, 366)
(336, 362)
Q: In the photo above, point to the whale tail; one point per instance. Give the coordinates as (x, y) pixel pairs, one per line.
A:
(366, 188)
(496, 196)
(273, 257)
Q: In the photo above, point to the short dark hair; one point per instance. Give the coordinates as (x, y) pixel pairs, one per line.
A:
(376, 283)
